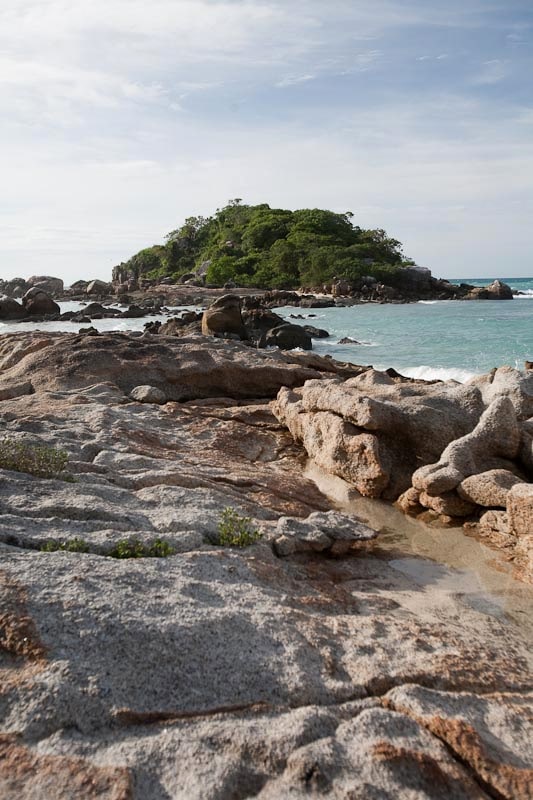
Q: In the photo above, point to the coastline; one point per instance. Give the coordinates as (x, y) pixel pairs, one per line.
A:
(325, 631)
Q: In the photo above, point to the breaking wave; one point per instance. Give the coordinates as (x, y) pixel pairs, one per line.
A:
(438, 373)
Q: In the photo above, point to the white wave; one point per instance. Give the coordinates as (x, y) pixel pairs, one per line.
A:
(428, 302)
(527, 294)
(438, 373)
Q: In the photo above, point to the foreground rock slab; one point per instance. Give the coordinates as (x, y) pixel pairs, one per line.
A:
(218, 674)
(308, 664)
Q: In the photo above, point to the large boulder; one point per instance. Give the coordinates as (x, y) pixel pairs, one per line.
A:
(99, 288)
(47, 283)
(10, 309)
(78, 287)
(148, 394)
(496, 437)
(341, 288)
(331, 531)
(488, 489)
(39, 303)
(15, 287)
(414, 279)
(287, 337)
(520, 509)
(497, 290)
(223, 317)
(389, 426)
(258, 321)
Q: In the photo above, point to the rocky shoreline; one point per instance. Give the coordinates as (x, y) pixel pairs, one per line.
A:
(303, 664)
(36, 299)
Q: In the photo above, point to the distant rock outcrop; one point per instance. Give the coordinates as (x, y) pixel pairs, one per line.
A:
(50, 285)
(497, 290)
(39, 303)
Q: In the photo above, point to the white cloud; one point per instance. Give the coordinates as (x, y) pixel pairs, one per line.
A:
(121, 117)
(293, 80)
(492, 71)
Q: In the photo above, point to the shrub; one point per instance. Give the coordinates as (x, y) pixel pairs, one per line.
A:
(234, 530)
(133, 548)
(73, 546)
(39, 460)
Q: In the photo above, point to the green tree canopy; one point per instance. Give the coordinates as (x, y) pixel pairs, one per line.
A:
(273, 248)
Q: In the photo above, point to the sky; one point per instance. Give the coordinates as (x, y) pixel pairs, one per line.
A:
(120, 118)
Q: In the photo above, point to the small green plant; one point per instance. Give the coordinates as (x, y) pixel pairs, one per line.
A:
(73, 546)
(133, 548)
(235, 530)
(160, 549)
(39, 460)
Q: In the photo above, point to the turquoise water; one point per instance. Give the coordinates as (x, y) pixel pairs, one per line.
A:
(437, 339)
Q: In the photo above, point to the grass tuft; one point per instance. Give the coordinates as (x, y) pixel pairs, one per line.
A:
(70, 546)
(133, 548)
(39, 460)
(235, 530)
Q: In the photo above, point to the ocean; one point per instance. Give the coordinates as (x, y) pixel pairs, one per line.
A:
(430, 339)
(437, 339)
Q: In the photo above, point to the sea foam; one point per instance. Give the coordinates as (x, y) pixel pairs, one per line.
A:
(438, 373)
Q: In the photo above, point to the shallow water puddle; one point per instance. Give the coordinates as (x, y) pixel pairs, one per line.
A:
(452, 569)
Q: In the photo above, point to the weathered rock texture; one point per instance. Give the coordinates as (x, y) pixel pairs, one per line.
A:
(444, 450)
(218, 673)
(183, 369)
(223, 318)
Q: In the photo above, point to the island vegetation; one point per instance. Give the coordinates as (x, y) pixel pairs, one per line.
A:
(260, 246)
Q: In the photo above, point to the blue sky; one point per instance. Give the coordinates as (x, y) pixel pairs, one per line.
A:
(122, 117)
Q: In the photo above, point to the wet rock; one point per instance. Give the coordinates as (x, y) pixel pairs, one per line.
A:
(10, 309)
(493, 529)
(134, 312)
(449, 504)
(523, 558)
(287, 337)
(315, 333)
(258, 321)
(409, 502)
